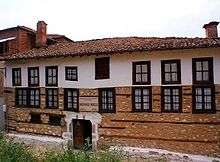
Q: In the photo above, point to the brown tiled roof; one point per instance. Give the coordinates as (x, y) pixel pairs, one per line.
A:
(116, 45)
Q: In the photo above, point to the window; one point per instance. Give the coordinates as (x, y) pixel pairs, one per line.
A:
(16, 76)
(27, 97)
(35, 118)
(171, 99)
(102, 68)
(4, 47)
(170, 72)
(202, 70)
(51, 76)
(34, 95)
(142, 99)
(107, 100)
(71, 99)
(203, 99)
(21, 97)
(71, 73)
(54, 120)
(141, 72)
(33, 76)
(51, 98)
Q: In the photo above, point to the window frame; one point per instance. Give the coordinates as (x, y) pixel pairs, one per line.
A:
(210, 72)
(47, 101)
(29, 76)
(98, 61)
(101, 110)
(13, 77)
(150, 99)
(28, 98)
(46, 75)
(163, 99)
(213, 105)
(134, 64)
(66, 99)
(71, 68)
(178, 72)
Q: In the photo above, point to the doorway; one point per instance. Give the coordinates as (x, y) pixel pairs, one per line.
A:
(82, 134)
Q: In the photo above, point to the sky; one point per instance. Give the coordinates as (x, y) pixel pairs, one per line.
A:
(95, 19)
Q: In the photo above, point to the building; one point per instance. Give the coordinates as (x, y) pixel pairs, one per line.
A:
(144, 92)
(21, 39)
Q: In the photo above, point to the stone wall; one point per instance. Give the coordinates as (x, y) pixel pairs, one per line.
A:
(183, 132)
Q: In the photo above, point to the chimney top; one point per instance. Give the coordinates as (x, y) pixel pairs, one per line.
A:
(41, 35)
(211, 29)
(210, 24)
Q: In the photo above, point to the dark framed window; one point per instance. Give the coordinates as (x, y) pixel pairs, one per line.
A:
(141, 98)
(202, 69)
(203, 99)
(21, 97)
(71, 73)
(107, 100)
(4, 47)
(51, 98)
(34, 97)
(141, 72)
(35, 118)
(170, 71)
(71, 99)
(26, 97)
(102, 68)
(33, 76)
(171, 100)
(51, 76)
(55, 120)
(16, 76)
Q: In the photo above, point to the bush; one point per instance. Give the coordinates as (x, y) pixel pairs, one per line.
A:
(11, 151)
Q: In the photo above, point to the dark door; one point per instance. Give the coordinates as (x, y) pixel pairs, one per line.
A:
(82, 132)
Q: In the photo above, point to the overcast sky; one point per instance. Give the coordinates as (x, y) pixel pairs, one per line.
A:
(91, 19)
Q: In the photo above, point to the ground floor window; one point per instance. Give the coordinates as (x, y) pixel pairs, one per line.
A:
(55, 120)
(35, 118)
(107, 100)
(203, 99)
(171, 99)
(71, 99)
(27, 97)
(51, 98)
(142, 99)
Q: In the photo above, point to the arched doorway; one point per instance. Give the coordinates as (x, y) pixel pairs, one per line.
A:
(82, 133)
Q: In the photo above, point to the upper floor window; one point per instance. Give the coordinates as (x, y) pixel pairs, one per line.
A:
(102, 69)
(4, 48)
(27, 97)
(52, 98)
(51, 76)
(107, 100)
(203, 99)
(171, 99)
(202, 70)
(141, 72)
(33, 76)
(142, 99)
(71, 99)
(16, 76)
(71, 73)
(170, 72)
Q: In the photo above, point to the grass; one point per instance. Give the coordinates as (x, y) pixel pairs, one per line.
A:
(11, 151)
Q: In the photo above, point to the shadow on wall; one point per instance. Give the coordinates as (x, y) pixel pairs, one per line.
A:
(2, 115)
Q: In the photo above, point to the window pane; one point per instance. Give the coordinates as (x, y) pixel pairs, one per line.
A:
(198, 66)
(144, 78)
(144, 68)
(174, 76)
(174, 67)
(198, 76)
(205, 76)
(207, 91)
(205, 65)
(138, 106)
(138, 68)
(146, 106)
(167, 68)
(167, 77)
(138, 77)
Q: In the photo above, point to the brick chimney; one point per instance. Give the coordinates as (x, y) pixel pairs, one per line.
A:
(211, 30)
(41, 36)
